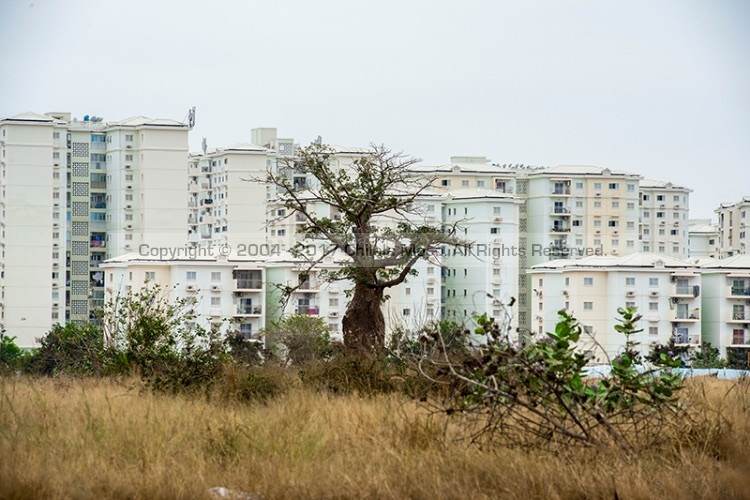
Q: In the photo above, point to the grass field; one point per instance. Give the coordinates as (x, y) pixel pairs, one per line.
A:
(91, 438)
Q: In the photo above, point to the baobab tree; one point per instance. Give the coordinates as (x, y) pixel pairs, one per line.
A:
(381, 229)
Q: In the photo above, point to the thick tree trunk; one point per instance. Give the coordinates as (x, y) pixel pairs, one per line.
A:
(363, 323)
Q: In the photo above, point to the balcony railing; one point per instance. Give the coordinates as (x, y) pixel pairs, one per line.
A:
(308, 285)
(739, 316)
(559, 229)
(311, 310)
(683, 290)
(559, 210)
(98, 244)
(741, 291)
(98, 204)
(243, 310)
(687, 316)
(557, 190)
(249, 284)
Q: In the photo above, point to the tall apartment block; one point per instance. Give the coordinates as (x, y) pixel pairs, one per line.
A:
(664, 218)
(76, 192)
(734, 237)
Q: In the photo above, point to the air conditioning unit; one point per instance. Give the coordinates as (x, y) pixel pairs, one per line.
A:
(497, 240)
(129, 187)
(55, 224)
(55, 285)
(630, 293)
(215, 288)
(598, 194)
(539, 318)
(333, 289)
(431, 280)
(565, 293)
(215, 312)
(128, 207)
(55, 304)
(496, 281)
(128, 147)
(127, 167)
(191, 288)
(129, 227)
(128, 246)
(498, 219)
(615, 232)
(653, 294)
(333, 314)
(55, 245)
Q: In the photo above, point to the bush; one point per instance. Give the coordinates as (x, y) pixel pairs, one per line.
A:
(10, 354)
(537, 394)
(299, 339)
(72, 349)
(707, 357)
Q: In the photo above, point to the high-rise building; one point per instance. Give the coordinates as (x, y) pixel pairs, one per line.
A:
(77, 192)
(664, 218)
(734, 237)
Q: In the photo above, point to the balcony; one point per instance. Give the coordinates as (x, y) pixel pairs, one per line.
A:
(561, 190)
(687, 291)
(248, 284)
(309, 285)
(98, 185)
(686, 316)
(309, 310)
(98, 204)
(739, 317)
(561, 211)
(559, 229)
(686, 339)
(246, 310)
(738, 291)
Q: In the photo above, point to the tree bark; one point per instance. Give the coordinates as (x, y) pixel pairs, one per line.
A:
(363, 323)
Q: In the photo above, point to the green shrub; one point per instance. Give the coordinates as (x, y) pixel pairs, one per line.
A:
(72, 349)
(10, 354)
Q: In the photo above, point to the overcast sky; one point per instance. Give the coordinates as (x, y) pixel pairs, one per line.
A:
(657, 87)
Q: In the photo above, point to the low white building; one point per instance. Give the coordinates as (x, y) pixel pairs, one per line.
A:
(228, 293)
(726, 304)
(665, 290)
(703, 239)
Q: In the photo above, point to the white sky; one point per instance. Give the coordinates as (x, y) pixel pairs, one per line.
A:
(657, 87)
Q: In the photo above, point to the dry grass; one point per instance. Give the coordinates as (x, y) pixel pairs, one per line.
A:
(103, 439)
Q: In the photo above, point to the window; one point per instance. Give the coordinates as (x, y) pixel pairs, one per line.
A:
(55, 135)
(659, 215)
(662, 248)
(579, 204)
(646, 231)
(579, 185)
(615, 243)
(128, 157)
(675, 249)
(567, 281)
(128, 177)
(630, 281)
(464, 183)
(646, 197)
(191, 275)
(738, 336)
(630, 243)
(215, 276)
(597, 223)
(445, 182)
(430, 270)
(631, 187)
(597, 242)
(597, 185)
(150, 275)
(406, 312)
(613, 223)
(408, 291)
(430, 208)
(430, 291)
(588, 306)
(494, 230)
(333, 302)
(480, 184)
(646, 214)
(614, 185)
(653, 330)
(282, 232)
(588, 329)
(129, 137)
(615, 204)
(597, 204)
(676, 198)
(631, 205)
(630, 224)
(629, 304)
(497, 210)
(588, 281)
(653, 282)
(577, 223)
(653, 306)
(659, 197)
(215, 301)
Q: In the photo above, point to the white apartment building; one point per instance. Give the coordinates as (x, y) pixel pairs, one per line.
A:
(98, 189)
(484, 277)
(227, 293)
(225, 205)
(664, 218)
(33, 226)
(734, 237)
(666, 291)
(726, 305)
(703, 239)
